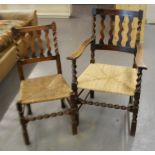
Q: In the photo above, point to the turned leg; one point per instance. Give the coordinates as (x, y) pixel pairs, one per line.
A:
(23, 124)
(63, 106)
(130, 99)
(91, 94)
(77, 117)
(74, 115)
(29, 109)
(74, 125)
(75, 106)
(135, 114)
(92, 60)
(133, 125)
(136, 103)
(75, 90)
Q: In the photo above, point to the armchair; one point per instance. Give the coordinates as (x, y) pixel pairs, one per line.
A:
(106, 77)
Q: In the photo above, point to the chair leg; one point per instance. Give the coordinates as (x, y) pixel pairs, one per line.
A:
(134, 122)
(63, 106)
(130, 100)
(136, 103)
(77, 112)
(133, 125)
(135, 114)
(77, 118)
(23, 124)
(74, 125)
(91, 94)
(74, 115)
(29, 109)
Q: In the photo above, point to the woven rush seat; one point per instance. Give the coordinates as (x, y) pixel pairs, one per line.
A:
(109, 78)
(43, 89)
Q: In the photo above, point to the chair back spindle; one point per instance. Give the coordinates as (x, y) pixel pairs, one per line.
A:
(112, 24)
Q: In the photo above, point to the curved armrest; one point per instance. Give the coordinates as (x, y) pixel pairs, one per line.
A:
(76, 54)
(139, 56)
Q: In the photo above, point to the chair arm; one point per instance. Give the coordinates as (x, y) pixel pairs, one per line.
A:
(76, 54)
(139, 56)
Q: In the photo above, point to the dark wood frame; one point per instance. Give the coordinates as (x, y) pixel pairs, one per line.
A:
(33, 58)
(138, 60)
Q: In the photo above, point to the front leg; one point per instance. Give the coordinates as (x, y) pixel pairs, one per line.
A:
(136, 103)
(75, 89)
(23, 123)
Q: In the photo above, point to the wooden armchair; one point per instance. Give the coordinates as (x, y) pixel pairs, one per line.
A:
(45, 88)
(111, 78)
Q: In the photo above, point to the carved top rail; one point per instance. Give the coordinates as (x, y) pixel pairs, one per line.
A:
(117, 12)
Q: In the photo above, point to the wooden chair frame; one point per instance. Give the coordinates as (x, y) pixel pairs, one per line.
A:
(133, 105)
(35, 31)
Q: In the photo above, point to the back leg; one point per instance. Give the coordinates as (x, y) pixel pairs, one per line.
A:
(63, 104)
(131, 100)
(91, 94)
(29, 109)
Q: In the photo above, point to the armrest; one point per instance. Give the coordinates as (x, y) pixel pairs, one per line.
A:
(76, 54)
(139, 56)
(29, 15)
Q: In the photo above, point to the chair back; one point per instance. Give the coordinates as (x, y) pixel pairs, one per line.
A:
(39, 43)
(117, 30)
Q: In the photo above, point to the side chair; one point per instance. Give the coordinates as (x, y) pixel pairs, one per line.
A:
(110, 78)
(44, 88)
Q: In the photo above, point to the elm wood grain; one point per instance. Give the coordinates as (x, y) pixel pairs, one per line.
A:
(129, 31)
(112, 20)
(40, 43)
(32, 44)
(94, 46)
(114, 48)
(92, 58)
(76, 54)
(94, 25)
(48, 41)
(54, 114)
(118, 12)
(23, 123)
(33, 28)
(135, 7)
(102, 30)
(74, 96)
(129, 108)
(120, 31)
(136, 51)
(136, 102)
(139, 56)
(37, 59)
(140, 18)
(40, 89)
